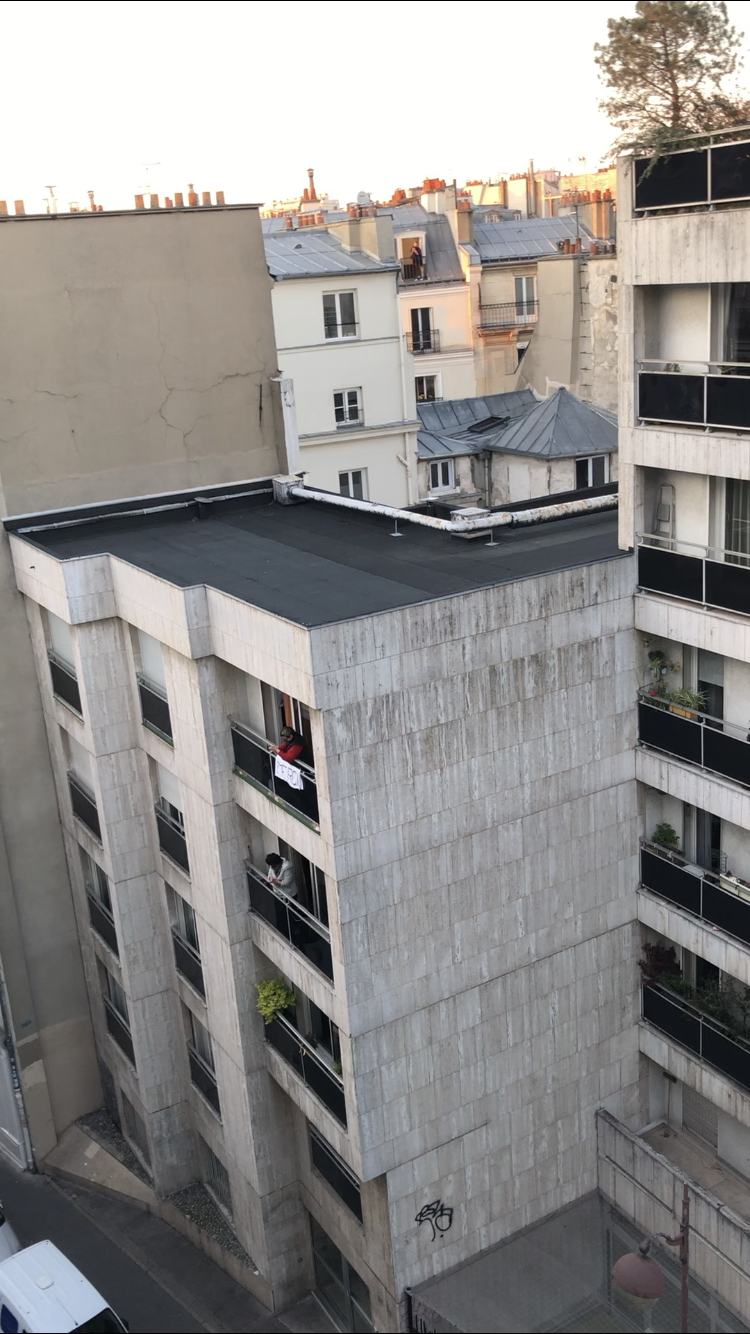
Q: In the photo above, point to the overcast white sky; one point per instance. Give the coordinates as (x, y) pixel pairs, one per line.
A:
(245, 96)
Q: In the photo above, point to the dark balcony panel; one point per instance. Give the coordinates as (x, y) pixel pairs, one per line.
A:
(102, 923)
(670, 881)
(669, 572)
(728, 401)
(65, 684)
(295, 926)
(155, 710)
(670, 181)
(252, 758)
(311, 943)
(730, 171)
(84, 807)
(667, 396)
(728, 1056)
(726, 910)
(670, 732)
(172, 840)
(286, 1043)
(728, 585)
(669, 1016)
(119, 1030)
(188, 963)
(328, 1088)
(726, 755)
(337, 1177)
(204, 1079)
(268, 905)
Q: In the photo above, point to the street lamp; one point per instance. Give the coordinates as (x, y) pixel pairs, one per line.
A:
(642, 1280)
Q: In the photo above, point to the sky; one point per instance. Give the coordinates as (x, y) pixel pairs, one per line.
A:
(244, 97)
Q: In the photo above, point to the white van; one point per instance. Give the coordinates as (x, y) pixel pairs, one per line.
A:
(40, 1290)
(9, 1242)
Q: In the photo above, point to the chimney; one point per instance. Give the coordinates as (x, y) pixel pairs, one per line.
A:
(319, 217)
(167, 202)
(153, 201)
(3, 209)
(192, 197)
(18, 205)
(305, 196)
(219, 196)
(313, 195)
(178, 200)
(207, 198)
(139, 201)
(289, 224)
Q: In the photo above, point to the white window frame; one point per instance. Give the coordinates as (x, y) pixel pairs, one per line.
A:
(346, 407)
(348, 478)
(443, 471)
(438, 387)
(590, 462)
(339, 336)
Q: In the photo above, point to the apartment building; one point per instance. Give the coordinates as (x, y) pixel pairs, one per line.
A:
(448, 975)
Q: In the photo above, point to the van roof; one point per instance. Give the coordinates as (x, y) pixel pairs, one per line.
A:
(47, 1290)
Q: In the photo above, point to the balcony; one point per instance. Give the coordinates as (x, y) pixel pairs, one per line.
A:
(705, 1037)
(204, 1079)
(708, 575)
(119, 1029)
(188, 962)
(711, 743)
(172, 839)
(299, 927)
(255, 762)
(716, 398)
(427, 341)
(84, 806)
(719, 173)
(65, 683)
(721, 900)
(509, 315)
(311, 1068)
(103, 923)
(155, 710)
(412, 273)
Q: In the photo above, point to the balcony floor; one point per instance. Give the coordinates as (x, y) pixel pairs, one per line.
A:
(698, 1161)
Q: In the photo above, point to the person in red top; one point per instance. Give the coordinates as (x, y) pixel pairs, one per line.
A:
(291, 745)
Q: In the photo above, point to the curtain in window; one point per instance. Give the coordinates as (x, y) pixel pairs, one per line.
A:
(737, 534)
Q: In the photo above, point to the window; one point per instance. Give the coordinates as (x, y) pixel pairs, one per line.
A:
(442, 475)
(347, 407)
(200, 1040)
(354, 484)
(116, 1014)
(421, 329)
(215, 1176)
(187, 954)
(96, 882)
(524, 295)
(338, 315)
(427, 388)
(152, 687)
(116, 996)
(135, 1128)
(201, 1061)
(335, 1171)
(592, 472)
(187, 925)
(339, 1285)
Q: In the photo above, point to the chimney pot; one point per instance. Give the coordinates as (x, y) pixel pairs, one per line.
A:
(306, 195)
(139, 201)
(178, 200)
(3, 208)
(319, 217)
(289, 224)
(167, 202)
(19, 207)
(192, 197)
(207, 197)
(153, 201)
(313, 193)
(220, 196)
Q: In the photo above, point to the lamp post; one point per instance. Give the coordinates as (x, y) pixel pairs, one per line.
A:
(640, 1278)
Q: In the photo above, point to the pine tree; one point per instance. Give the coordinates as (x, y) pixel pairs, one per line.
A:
(668, 68)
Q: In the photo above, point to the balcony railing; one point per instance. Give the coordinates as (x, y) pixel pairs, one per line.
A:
(65, 683)
(719, 173)
(429, 341)
(155, 709)
(706, 1038)
(412, 273)
(84, 806)
(720, 899)
(709, 575)
(712, 395)
(103, 922)
(303, 1058)
(119, 1029)
(508, 314)
(698, 738)
(255, 762)
(204, 1079)
(303, 931)
(188, 962)
(350, 329)
(172, 839)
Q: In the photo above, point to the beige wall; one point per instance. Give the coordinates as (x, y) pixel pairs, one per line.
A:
(552, 358)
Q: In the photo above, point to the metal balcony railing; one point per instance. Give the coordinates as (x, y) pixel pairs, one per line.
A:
(299, 927)
(705, 1037)
(317, 1075)
(172, 839)
(155, 709)
(712, 174)
(711, 395)
(103, 922)
(412, 273)
(64, 682)
(255, 762)
(84, 806)
(719, 899)
(349, 329)
(428, 341)
(508, 314)
(119, 1029)
(204, 1078)
(711, 743)
(711, 576)
(188, 962)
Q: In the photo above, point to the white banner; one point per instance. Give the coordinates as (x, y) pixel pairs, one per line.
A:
(289, 772)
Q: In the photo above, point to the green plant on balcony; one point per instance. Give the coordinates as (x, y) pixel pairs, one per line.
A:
(659, 963)
(666, 837)
(660, 665)
(274, 996)
(338, 1068)
(685, 701)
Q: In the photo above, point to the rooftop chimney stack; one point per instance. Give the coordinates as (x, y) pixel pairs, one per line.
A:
(19, 207)
(178, 199)
(192, 197)
(219, 196)
(153, 201)
(207, 198)
(313, 195)
(3, 208)
(139, 201)
(289, 224)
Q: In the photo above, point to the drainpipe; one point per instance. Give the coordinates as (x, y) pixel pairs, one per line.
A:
(488, 478)
(409, 487)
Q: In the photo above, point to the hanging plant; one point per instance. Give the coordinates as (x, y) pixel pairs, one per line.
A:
(273, 997)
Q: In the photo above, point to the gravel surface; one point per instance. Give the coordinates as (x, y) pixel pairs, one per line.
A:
(100, 1126)
(196, 1204)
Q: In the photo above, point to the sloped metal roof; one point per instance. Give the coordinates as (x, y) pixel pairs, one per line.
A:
(311, 253)
(526, 239)
(561, 426)
(446, 426)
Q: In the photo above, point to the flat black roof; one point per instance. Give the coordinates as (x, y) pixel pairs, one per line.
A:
(315, 564)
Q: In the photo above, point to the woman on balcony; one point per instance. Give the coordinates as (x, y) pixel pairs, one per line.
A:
(281, 874)
(291, 745)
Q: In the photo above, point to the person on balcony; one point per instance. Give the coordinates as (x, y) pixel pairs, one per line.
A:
(290, 746)
(281, 874)
(417, 259)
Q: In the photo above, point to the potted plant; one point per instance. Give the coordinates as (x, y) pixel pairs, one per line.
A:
(274, 996)
(688, 703)
(659, 964)
(666, 837)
